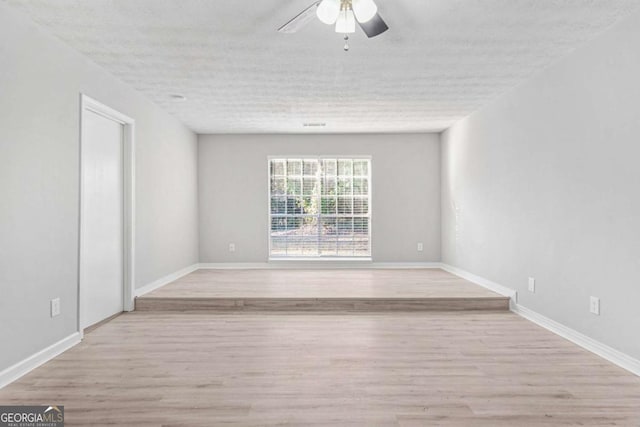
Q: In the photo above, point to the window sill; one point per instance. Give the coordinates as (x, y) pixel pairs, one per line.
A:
(321, 259)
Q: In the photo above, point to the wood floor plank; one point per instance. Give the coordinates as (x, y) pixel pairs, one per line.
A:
(360, 369)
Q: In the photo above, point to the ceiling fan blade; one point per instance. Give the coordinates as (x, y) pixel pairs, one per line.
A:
(375, 26)
(300, 20)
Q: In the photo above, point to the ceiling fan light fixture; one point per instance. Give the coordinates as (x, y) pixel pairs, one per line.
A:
(346, 23)
(328, 11)
(342, 13)
(364, 10)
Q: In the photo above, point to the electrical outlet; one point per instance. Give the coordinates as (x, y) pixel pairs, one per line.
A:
(594, 305)
(532, 285)
(420, 247)
(55, 307)
(232, 247)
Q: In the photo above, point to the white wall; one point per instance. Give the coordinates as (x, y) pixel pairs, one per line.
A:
(544, 182)
(40, 84)
(233, 189)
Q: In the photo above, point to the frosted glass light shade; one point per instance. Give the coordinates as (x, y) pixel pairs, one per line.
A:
(346, 22)
(364, 10)
(328, 11)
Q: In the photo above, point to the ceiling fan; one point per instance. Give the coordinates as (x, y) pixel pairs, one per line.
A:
(344, 14)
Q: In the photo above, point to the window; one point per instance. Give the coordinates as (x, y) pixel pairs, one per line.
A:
(320, 207)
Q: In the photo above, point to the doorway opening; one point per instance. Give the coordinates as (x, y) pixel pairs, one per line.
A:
(107, 208)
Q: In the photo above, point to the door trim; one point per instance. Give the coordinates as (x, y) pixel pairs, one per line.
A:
(89, 104)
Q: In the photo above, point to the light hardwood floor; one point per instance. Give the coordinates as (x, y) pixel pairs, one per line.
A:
(395, 369)
(373, 283)
(321, 290)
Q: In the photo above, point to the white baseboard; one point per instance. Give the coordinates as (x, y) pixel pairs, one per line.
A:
(316, 264)
(612, 355)
(485, 283)
(405, 265)
(25, 366)
(235, 265)
(165, 280)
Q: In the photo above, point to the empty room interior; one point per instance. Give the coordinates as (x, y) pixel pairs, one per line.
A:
(349, 212)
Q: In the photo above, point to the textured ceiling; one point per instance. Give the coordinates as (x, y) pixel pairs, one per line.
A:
(440, 61)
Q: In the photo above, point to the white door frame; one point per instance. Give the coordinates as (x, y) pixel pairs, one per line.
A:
(89, 104)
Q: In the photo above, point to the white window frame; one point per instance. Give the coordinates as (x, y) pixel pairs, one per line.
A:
(320, 158)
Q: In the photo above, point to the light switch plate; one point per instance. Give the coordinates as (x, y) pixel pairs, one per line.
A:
(594, 305)
(532, 285)
(55, 307)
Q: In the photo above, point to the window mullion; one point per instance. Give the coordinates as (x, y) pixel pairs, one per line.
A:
(321, 190)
